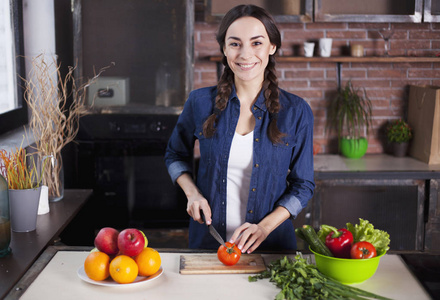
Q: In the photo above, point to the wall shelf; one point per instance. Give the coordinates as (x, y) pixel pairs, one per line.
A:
(339, 60)
(350, 59)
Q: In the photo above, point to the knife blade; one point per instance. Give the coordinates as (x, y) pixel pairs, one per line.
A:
(212, 231)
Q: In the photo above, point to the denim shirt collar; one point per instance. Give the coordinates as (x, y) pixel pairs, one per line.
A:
(260, 103)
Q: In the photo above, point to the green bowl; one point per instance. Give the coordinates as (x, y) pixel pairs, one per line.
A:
(347, 271)
(353, 148)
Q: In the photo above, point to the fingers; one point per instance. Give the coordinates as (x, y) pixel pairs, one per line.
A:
(248, 237)
(195, 206)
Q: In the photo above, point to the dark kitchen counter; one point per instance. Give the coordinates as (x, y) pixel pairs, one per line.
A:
(27, 247)
(377, 166)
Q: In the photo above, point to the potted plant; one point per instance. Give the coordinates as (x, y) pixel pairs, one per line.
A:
(399, 134)
(23, 177)
(350, 113)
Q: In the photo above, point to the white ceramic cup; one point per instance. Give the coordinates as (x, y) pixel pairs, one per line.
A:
(325, 47)
(308, 49)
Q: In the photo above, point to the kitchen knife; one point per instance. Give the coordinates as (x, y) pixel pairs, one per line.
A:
(212, 231)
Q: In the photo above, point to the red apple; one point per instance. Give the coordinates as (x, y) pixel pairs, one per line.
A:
(107, 241)
(131, 242)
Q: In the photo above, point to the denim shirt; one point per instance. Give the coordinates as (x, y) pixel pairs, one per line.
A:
(282, 174)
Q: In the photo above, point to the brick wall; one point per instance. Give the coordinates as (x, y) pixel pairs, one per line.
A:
(386, 84)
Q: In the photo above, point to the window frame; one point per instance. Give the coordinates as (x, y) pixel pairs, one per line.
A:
(19, 116)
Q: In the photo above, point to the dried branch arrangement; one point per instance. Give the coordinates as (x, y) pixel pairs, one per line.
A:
(54, 123)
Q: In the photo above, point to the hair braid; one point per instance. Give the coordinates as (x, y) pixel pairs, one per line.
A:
(224, 89)
(271, 95)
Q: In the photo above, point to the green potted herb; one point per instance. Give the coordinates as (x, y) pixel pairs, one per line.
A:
(399, 134)
(350, 113)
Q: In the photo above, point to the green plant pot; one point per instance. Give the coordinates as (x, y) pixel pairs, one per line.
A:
(353, 148)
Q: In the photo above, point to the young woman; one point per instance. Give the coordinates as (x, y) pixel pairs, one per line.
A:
(256, 144)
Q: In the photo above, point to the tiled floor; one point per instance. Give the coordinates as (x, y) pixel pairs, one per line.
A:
(425, 267)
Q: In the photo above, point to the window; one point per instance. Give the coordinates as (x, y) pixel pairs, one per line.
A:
(13, 110)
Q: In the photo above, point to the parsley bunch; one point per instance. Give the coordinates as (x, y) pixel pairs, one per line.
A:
(299, 279)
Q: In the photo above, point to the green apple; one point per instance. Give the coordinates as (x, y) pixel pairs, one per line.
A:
(146, 240)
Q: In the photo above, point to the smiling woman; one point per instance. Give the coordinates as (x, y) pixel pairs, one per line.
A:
(13, 111)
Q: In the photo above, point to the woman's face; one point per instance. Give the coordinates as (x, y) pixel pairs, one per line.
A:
(247, 49)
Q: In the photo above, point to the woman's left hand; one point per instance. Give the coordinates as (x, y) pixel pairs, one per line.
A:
(248, 237)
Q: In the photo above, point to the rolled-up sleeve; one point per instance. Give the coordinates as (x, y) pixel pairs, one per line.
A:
(179, 153)
(301, 176)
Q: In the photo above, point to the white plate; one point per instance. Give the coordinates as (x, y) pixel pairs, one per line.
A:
(110, 282)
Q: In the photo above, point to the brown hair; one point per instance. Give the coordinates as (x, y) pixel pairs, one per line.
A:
(270, 84)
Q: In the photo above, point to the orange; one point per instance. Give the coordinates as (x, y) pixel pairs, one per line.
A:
(96, 266)
(123, 269)
(148, 261)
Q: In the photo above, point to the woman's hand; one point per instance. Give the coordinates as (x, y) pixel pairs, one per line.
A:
(196, 201)
(195, 204)
(248, 237)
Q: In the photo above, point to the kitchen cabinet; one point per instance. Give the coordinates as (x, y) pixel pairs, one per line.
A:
(398, 195)
(409, 11)
(373, 11)
(431, 11)
(282, 10)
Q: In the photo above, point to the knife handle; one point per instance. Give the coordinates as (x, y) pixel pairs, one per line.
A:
(203, 216)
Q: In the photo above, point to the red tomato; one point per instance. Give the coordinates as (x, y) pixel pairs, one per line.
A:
(361, 250)
(229, 255)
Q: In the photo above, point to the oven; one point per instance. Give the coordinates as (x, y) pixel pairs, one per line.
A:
(121, 157)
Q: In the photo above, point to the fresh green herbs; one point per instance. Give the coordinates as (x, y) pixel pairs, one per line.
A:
(299, 279)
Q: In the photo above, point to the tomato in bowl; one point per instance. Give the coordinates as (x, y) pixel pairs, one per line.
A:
(347, 270)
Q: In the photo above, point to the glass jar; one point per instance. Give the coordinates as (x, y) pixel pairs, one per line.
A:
(5, 224)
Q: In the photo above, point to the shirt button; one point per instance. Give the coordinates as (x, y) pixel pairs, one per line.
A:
(287, 144)
(200, 133)
(251, 211)
(255, 108)
(230, 133)
(257, 139)
(223, 202)
(223, 180)
(257, 165)
(259, 118)
(254, 189)
(223, 224)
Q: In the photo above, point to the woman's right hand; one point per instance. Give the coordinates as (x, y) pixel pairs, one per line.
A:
(195, 204)
(196, 201)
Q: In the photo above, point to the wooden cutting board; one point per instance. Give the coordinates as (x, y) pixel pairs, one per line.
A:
(209, 264)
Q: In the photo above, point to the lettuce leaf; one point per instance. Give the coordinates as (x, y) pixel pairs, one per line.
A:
(364, 231)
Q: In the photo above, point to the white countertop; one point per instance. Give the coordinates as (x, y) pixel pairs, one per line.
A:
(59, 280)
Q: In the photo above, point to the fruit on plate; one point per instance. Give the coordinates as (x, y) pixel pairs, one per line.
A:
(96, 265)
(107, 241)
(123, 269)
(229, 255)
(361, 250)
(131, 241)
(145, 238)
(148, 261)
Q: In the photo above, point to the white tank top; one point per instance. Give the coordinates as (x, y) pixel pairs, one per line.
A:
(238, 181)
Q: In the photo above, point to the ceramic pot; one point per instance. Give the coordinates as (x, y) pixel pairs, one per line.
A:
(24, 209)
(353, 148)
(400, 149)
